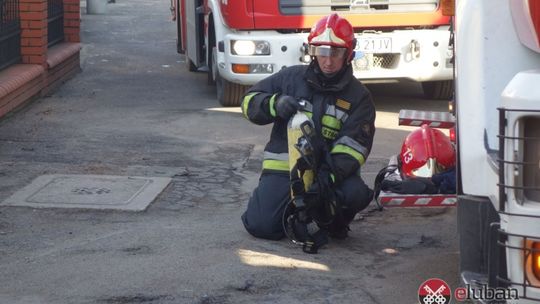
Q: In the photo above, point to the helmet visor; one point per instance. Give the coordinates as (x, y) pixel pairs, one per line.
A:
(430, 168)
(327, 51)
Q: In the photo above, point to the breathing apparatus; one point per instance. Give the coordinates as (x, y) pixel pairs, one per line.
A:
(308, 212)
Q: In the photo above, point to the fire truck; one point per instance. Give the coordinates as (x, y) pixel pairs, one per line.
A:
(496, 118)
(498, 134)
(239, 42)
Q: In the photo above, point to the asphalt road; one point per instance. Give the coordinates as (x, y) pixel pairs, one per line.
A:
(135, 110)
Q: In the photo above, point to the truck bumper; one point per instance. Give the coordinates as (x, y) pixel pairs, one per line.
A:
(418, 55)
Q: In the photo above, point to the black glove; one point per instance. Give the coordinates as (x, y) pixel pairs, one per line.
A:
(286, 106)
(344, 166)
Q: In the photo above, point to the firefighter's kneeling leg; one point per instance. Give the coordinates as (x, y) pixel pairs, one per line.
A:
(264, 215)
(355, 196)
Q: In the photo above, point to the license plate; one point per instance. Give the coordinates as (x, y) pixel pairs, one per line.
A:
(375, 45)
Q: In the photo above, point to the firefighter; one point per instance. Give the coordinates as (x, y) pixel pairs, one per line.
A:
(343, 113)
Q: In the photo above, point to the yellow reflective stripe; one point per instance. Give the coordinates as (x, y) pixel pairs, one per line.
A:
(245, 103)
(309, 115)
(272, 107)
(273, 164)
(276, 156)
(331, 122)
(350, 151)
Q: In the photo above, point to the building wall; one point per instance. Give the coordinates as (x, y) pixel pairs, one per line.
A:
(42, 69)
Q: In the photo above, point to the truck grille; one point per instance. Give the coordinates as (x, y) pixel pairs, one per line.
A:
(376, 61)
(522, 159)
(324, 7)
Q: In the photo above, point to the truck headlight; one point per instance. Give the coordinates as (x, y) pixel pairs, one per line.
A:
(536, 260)
(533, 262)
(250, 47)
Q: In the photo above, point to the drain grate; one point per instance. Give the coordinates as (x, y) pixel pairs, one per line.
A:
(89, 192)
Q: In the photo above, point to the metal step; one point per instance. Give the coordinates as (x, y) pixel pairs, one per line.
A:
(415, 118)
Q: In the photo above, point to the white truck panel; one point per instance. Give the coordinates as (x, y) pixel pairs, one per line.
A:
(479, 86)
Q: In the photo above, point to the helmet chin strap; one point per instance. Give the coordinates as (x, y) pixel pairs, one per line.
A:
(329, 76)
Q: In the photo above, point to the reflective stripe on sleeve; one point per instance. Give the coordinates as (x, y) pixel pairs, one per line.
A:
(350, 151)
(347, 141)
(245, 103)
(272, 106)
(276, 161)
(272, 164)
(276, 156)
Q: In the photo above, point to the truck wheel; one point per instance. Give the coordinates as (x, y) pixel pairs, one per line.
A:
(229, 94)
(438, 89)
(480, 256)
(211, 54)
(212, 66)
(190, 65)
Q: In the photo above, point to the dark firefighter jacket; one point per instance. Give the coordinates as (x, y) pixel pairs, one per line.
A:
(347, 115)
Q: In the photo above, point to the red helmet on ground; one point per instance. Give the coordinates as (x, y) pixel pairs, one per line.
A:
(333, 32)
(425, 152)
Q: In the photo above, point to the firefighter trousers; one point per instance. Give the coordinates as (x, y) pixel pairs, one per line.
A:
(263, 217)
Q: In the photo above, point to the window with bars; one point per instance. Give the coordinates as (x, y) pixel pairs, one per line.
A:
(55, 19)
(10, 33)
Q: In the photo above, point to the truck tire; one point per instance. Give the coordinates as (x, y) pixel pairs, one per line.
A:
(190, 65)
(229, 94)
(212, 66)
(438, 89)
(211, 54)
(477, 244)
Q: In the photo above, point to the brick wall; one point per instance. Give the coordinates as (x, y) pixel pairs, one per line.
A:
(72, 20)
(33, 14)
(42, 69)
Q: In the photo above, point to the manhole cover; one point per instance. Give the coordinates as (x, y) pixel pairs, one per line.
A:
(89, 191)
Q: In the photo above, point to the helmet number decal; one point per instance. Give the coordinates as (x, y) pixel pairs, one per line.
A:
(407, 156)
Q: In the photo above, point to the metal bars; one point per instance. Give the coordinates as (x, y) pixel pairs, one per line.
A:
(518, 155)
(524, 164)
(55, 20)
(10, 33)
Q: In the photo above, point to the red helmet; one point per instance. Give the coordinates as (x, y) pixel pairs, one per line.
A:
(425, 152)
(333, 31)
